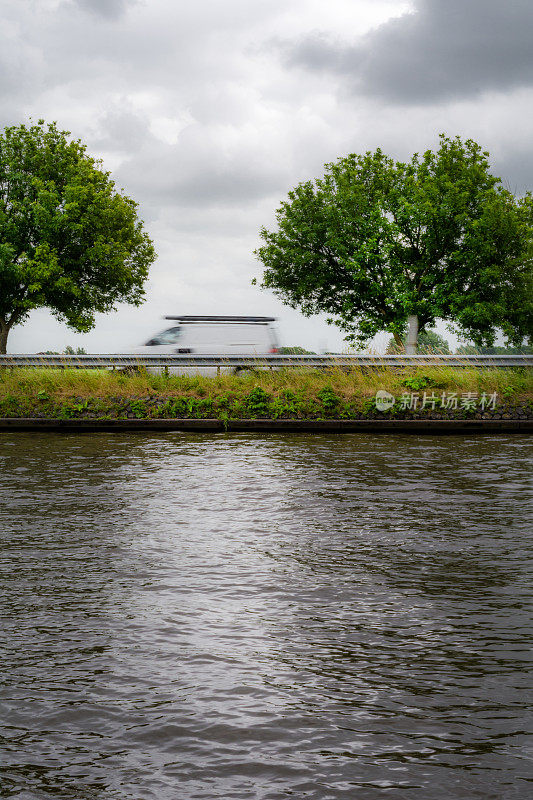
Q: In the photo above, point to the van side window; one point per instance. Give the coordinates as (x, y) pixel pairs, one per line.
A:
(170, 336)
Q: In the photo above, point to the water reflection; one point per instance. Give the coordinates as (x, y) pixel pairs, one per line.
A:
(227, 616)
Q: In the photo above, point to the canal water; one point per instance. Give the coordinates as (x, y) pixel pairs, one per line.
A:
(198, 617)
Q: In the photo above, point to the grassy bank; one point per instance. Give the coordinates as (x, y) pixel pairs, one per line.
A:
(289, 394)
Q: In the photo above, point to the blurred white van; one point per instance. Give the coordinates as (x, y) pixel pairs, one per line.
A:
(214, 335)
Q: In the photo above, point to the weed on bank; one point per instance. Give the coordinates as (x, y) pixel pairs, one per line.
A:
(275, 394)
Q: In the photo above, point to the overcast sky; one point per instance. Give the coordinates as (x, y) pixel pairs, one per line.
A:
(207, 112)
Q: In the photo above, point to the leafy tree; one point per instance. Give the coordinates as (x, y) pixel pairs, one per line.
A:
(295, 351)
(375, 241)
(428, 342)
(69, 241)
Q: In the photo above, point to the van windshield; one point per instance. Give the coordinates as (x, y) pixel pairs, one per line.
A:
(170, 336)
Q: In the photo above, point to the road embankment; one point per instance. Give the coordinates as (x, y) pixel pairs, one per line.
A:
(429, 400)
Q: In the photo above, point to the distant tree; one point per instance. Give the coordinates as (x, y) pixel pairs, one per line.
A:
(68, 351)
(375, 241)
(472, 350)
(428, 342)
(69, 241)
(295, 351)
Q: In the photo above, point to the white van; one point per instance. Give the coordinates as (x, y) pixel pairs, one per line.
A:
(214, 335)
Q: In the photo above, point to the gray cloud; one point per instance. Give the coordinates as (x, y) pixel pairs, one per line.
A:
(516, 170)
(110, 9)
(195, 174)
(203, 186)
(446, 49)
(121, 130)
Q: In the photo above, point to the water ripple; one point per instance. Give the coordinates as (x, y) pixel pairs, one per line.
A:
(194, 617)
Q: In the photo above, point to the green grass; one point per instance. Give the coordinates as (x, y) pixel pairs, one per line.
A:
(298, 393)
(64, 383)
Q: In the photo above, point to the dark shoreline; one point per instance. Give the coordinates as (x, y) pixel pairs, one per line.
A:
(413, 426)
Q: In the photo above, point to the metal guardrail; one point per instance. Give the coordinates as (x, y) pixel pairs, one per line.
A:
(121, 361)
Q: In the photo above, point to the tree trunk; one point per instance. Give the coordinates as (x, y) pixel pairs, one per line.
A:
(4, 332)
(398, 339)
(412, 335)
